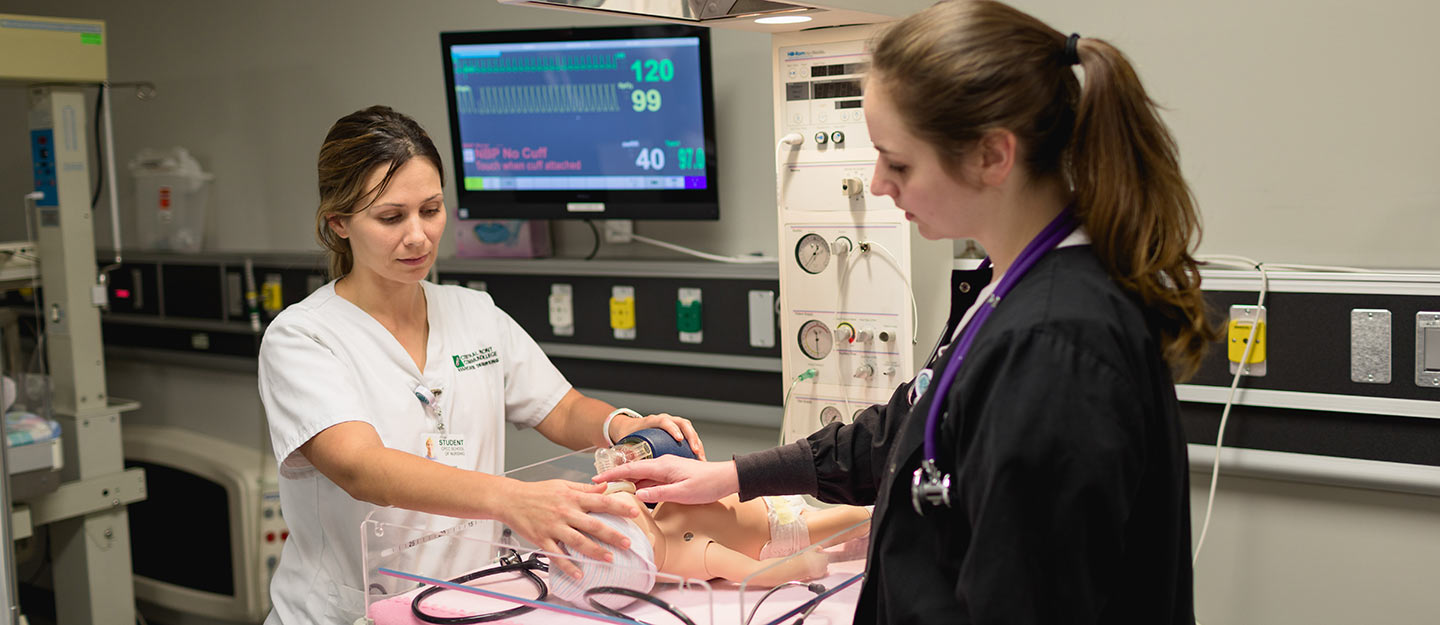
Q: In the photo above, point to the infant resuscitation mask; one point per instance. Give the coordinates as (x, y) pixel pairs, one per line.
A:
(641, 445)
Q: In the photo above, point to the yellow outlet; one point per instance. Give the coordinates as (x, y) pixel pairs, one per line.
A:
(270, 297)
(1238, 333)
(622, 313)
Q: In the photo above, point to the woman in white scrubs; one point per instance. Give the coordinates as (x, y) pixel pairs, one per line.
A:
(383, 389)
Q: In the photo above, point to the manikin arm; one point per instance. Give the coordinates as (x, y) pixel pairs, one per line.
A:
(721, 561)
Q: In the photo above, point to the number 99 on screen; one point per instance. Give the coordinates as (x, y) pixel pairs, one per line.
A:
(645, 100)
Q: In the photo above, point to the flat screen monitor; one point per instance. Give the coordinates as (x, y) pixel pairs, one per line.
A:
(581, 123)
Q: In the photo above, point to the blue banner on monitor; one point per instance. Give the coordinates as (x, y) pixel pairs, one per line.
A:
(584, 123)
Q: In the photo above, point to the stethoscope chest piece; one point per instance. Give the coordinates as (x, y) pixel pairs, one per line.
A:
(929, 486)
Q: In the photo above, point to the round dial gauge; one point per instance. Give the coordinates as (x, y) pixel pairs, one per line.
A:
(829, 414)
(813, 253)
(815, 339)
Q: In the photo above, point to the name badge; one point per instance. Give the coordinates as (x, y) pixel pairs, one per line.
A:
(919, 384)
(448, 449)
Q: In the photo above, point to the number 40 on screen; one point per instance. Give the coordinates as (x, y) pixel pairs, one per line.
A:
(654, 158)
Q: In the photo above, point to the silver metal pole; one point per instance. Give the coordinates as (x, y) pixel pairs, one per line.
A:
(7, 542)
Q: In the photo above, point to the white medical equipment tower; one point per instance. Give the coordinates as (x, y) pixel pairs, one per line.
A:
(55, 59)
(862, 295)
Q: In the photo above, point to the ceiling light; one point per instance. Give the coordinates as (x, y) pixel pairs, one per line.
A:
(783, 19)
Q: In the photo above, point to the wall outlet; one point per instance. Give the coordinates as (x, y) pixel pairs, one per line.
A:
(762, 318)
(272, 298)
(1237, 334)
(618, 230)
(562, 310)
(688, 319)
(622, 312)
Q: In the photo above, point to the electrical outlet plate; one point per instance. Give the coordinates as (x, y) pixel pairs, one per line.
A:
(1238, 330)
(562, 310)
(762, 318)
(619, 230)
(622, 312)
(271, 294)
(1427, 349)
(688, 318)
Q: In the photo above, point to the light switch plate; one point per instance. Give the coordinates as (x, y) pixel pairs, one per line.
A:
(1427, 349)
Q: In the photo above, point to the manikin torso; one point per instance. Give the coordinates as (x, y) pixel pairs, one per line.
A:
(725, 538)
(688, 529)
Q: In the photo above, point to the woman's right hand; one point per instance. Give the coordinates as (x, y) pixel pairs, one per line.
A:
(672, 478)
(555, 511)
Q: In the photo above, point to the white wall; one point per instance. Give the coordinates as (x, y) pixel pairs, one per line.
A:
(250, 88)
(1308, 130)
(1282, 553)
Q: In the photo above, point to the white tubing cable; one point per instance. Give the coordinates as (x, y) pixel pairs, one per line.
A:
(1230, 400)
(742, 260)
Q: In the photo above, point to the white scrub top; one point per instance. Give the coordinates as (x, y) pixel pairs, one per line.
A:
(324, 361)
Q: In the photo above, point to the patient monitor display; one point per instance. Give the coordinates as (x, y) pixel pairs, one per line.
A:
(600, 122)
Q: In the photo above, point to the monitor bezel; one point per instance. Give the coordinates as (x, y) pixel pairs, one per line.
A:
(656, 204)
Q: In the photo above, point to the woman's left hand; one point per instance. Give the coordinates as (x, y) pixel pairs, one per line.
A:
(678, 427)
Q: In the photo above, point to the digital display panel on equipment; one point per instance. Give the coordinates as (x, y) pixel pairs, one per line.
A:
(844, 69)
(613, 114)
(837, 89)
(797, 91)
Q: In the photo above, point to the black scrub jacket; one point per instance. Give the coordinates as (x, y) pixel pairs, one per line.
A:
(1070, 489)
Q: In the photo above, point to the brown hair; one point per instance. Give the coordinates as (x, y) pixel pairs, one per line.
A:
(962, 68)
(357, 144)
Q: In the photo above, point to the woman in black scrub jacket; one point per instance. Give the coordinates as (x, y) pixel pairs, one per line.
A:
(1035, 471)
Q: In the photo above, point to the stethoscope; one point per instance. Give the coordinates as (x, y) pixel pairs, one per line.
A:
(511, 561)
(929, 485)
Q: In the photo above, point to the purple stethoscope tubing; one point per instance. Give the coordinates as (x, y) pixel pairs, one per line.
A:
(1056, 231)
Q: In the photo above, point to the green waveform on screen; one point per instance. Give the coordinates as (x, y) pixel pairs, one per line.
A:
(510, 64)
(537, 99)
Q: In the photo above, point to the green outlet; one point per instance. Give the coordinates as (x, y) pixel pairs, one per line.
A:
(687, 316)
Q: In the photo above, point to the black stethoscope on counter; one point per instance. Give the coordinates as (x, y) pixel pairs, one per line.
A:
(929, 485)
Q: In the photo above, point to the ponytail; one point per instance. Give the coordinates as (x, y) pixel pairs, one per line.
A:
(1136, 206)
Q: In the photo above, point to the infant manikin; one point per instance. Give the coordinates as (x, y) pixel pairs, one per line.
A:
(728, 539)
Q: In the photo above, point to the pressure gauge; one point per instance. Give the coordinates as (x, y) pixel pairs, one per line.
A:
(829, 414)
(813, 253)
(815, 339)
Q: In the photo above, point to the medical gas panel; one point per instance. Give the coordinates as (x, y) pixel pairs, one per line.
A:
(862, 295)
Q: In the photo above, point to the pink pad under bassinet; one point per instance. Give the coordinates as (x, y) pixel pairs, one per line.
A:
(837, 608)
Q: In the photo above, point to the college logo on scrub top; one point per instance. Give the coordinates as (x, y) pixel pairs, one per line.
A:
(475, 360)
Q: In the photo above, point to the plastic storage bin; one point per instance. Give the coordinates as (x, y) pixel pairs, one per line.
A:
(170, 196)
(502, 238)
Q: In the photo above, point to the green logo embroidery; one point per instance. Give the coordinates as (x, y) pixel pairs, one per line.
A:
(475, 360)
